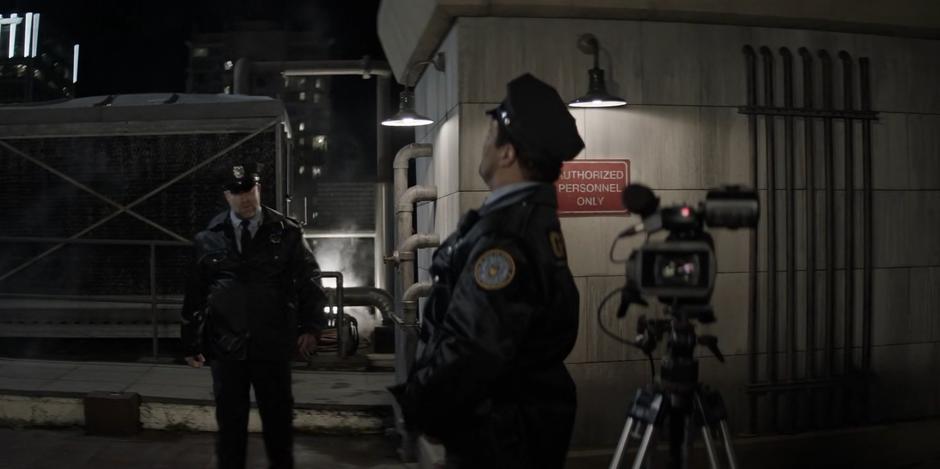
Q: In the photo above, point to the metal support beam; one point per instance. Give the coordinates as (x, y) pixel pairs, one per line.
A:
(91, 191)
(140, 200)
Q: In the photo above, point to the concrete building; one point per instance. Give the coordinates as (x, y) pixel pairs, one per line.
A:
(687, 128)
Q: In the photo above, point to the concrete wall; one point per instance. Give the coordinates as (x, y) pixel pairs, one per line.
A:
(683, 135)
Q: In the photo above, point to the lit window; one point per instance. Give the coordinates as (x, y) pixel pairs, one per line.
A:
(301, 127)
(286, 82)
(200, 52)
(303, 81)
(228, 65)
(302, 96)
(228, 89)
(319, 142)
(318, 83)
(315, 171)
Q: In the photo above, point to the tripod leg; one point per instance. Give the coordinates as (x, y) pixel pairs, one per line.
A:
(644, 445)
(726, 438)
(706, 424)
(622, 444)
(709, 447)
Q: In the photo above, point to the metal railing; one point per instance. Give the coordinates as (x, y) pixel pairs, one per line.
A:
(152, 298)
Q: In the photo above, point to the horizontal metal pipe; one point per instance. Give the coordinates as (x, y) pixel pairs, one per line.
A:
(802, 112)
(172, 300)
(116, 242)
(410, 302)
(415, 194)
(419, 241)
(417, 290)
(312, 72)
(339, 234)
(368, 296)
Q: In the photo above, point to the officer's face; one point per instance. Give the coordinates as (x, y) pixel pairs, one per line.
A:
(494, 156)
(245, 204)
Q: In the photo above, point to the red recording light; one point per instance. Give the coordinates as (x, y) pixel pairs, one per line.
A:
(686, 211)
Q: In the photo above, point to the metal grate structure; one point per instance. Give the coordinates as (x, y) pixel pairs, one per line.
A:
(808, 362)
(101, 195)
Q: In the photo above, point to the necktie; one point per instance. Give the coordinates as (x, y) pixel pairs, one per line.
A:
(246, 236)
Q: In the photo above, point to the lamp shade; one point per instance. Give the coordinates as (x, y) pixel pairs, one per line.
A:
(597, 95)
(406, 115)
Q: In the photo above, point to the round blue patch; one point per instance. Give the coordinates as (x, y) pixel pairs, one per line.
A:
(494, 269)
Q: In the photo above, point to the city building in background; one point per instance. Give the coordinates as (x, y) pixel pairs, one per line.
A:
(262, 48)
(35, 64)
(332, 164)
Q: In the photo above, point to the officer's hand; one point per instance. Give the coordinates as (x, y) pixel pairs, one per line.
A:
(307, 345)
(197, 361)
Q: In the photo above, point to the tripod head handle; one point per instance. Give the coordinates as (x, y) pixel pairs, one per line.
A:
(711, 343)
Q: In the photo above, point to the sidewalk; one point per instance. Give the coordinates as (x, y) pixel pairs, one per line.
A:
(71, 448)
(43, 392)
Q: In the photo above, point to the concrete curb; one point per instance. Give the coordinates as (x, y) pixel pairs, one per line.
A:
(63, 411)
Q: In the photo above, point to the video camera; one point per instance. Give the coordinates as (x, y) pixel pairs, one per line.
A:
(680, 270)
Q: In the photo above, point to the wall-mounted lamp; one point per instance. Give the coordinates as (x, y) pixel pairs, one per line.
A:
(597, 95)
(406, 115)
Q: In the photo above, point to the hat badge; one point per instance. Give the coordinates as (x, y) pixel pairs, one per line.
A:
(238, 172)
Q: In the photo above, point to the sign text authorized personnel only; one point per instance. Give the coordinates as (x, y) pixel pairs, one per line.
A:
(592, 187)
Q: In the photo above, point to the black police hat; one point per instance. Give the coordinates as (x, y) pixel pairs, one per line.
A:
(241, 177)
(535, 116)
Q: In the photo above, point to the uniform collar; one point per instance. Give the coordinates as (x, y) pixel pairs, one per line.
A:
(541, 193)
(508, 190)
(253, 222)
(267, 215)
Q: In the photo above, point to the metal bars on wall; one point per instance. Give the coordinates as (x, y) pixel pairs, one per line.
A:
(808, 360)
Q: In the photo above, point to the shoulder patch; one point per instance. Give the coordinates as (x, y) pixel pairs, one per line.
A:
(494, 270)
(557, 241)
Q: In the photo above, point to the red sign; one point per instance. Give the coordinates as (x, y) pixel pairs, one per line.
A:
(592, 187)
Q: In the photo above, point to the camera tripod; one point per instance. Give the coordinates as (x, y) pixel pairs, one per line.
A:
(677, 398)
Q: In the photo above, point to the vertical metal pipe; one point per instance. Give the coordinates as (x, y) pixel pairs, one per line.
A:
(809, 170)
(829, 175)
(849, 166)
(280, 187)
(829, 212)
(155, 345)
(768, 62)
(289, 174)
(383, 220)
(809, 162)
(340, 318)
(867, 209)
(751, 72)
(381, 230)
(789, 161)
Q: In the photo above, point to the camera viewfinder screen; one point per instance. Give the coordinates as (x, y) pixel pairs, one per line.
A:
(677, 270)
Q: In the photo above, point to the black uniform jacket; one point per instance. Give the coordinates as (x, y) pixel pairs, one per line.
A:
(489, 379)
(253, 306)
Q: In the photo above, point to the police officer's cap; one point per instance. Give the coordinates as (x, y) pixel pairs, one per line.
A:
(241, 177)
(535, 116)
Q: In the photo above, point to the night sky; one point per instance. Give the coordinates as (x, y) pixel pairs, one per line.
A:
(140, 46)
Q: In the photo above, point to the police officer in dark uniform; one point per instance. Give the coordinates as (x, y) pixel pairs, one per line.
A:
(253, 298)
(489, 381)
